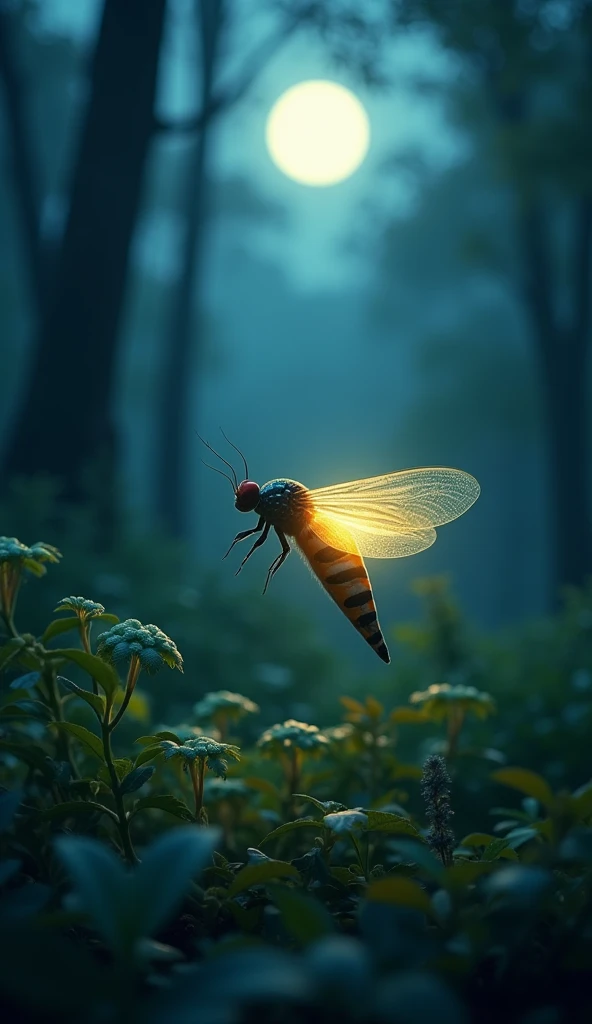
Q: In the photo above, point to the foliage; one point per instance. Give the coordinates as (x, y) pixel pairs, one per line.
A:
(360, 908)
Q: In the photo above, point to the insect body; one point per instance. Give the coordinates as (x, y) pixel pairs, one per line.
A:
(336, 527)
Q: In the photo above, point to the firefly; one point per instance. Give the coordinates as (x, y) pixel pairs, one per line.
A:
(336, 527)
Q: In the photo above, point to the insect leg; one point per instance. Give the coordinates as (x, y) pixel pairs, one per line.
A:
(281, 558)
(244, 534)
(260, 540)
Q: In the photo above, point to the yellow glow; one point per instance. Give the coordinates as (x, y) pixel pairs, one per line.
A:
(318, 133)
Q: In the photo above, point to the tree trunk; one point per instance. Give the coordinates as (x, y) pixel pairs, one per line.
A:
(563, 361)
(22, 164)
(65, 423)
(568, 459)
(178, 387)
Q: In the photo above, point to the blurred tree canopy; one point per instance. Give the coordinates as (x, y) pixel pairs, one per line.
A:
(523, 94)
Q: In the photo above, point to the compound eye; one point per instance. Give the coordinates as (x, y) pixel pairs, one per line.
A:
(247, 496)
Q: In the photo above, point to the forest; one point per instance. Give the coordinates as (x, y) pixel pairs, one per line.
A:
(216, 803)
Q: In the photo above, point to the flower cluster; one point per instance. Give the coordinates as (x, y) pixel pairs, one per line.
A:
(148, 644)
(203, 748)
(292, 734)
(82, 607)
(438, 699)
(13, 552)
(232, 704)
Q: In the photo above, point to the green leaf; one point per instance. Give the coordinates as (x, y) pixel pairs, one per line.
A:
(165, 802)
(324, 806)
(526, 782)
(9, 805)
(461, 874)
(146, 741)
(260, 873)
(417, 853)
(263, 786)
(477, 839)
(59, 626)
(96, 701)
(10, 650)
(290, 826)
(304, 918)
(26, 682)
(136, 778)
(123, 767)
(76, 809)
(84, 736)
(403, 892)
(102, 885)
(499, 848)
(148, 754)
(582, 801)
(106, 617)
(383, 821)
(27, 752)
(166, 871)
(8, 868)
(24, 708)
(104, 674)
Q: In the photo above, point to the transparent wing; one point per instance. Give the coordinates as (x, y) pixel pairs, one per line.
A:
(394, 515)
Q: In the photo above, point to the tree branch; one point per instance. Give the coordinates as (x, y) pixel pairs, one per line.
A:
(228, 97)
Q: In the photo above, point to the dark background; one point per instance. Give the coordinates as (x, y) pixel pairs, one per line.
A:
(158, 276)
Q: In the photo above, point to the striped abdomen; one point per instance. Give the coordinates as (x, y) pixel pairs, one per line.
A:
(345, 579)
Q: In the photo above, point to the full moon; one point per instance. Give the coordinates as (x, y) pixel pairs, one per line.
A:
(318, 133)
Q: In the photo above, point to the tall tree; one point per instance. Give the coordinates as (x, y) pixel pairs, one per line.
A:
(182, 346)
(527, 95)
(65, 425)
(26, 186)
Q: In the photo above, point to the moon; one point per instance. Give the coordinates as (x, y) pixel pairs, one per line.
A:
(318, 133)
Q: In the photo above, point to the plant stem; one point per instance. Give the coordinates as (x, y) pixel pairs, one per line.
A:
(132, 678)
(359, 853)
(455, 724)
(123, 823)
(83, 629)
(53, 698)
(197, 772)
(9, 584)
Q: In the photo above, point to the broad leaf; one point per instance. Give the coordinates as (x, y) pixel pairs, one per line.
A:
(104, 674)
(76, 809)
(290, 826)
(166, 871)
(382, 821)
(148, 754)
(10, 650)
(27, 752)
(59, 626)
(401, 891)
(136, 778)
(417, 853)
(102, 885)
(96, 701)
(84, 735)
(9, 804)
(260, 873)
(304, 918)
(165, 802)
(26, 682)
(526, 782)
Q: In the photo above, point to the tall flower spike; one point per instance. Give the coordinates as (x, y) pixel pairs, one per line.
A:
(435, 789)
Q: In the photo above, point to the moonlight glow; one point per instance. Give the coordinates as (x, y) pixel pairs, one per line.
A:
(318, 133)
